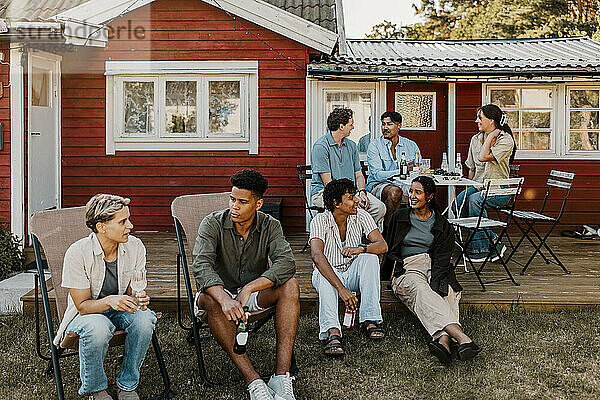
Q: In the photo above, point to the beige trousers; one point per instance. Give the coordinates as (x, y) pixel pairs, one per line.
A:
(412, 288)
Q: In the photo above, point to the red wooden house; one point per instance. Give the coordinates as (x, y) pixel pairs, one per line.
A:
(154, 99)
(174, 98)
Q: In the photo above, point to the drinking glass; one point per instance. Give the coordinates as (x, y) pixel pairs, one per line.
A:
(138, 283)
(426, 163)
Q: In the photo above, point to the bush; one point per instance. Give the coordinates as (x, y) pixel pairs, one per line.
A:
(11, 256)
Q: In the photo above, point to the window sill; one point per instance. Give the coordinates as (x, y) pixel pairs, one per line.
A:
(182, 145)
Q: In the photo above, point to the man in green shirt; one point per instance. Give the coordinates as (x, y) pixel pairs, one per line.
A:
(231, 266)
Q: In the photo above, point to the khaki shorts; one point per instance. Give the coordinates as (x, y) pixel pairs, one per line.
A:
(252, 303)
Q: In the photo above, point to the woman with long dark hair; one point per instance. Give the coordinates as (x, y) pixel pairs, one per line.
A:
(491, 151)
(421, 242)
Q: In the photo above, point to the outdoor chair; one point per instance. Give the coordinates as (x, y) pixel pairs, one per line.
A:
(54, 231)
(526, 221)
(492, 187)
(188, 212)
(513, 173)
(305, 174)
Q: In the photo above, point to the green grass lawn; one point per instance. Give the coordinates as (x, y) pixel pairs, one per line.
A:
(525, 356)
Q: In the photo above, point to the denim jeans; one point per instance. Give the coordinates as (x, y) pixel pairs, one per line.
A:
(362, 276)
(96, 330)
(472, 208)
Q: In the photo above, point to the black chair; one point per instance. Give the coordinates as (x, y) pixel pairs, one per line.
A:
(54, 231)
(188, 212)
(492, 187)
(305, 174)
(513, 173)
(527, 220)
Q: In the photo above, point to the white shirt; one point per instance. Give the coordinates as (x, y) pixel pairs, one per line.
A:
(84, 268)
(323, 227)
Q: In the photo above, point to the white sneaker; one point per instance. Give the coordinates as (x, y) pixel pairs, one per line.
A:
(259, 390)
(281, 385)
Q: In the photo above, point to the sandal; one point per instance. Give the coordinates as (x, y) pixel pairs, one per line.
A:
(373, 330)
(333, 348)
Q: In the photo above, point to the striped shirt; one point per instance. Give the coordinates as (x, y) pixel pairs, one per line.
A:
(323, 227)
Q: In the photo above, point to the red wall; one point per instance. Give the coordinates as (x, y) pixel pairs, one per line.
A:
(583, 205)
(184, 30)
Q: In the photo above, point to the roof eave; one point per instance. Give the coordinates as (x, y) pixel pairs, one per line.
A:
(99, 12)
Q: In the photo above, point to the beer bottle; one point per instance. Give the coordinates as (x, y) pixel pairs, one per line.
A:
(458, 168)
(403, 167)
(445, 162)
(241, 336)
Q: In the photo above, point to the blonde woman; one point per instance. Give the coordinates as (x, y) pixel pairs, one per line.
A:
(98, 270)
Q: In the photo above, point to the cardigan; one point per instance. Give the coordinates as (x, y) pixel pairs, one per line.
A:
(442, 271)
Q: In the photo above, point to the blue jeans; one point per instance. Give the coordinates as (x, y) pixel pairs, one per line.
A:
(96, 330)
(472, 208)
(362, 276)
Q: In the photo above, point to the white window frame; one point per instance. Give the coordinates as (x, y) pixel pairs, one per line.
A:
(554, 150)
(568, 151)
(433, 110)
(560, 120)
(118, 72)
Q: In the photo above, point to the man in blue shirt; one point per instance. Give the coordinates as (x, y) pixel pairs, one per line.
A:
(384, 156)
(334, 156)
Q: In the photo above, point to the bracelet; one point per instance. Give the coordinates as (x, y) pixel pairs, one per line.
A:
(361, 190)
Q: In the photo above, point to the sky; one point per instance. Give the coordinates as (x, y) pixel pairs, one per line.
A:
(361, 15)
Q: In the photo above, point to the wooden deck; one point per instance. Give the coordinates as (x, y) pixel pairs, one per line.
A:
(544, 287)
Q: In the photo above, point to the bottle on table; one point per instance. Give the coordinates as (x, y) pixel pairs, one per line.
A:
(241, 336)
(458, 168)
(403, 167)
(417, 163)
(444, 162)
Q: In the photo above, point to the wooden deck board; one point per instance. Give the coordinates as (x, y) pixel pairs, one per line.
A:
(544, 287)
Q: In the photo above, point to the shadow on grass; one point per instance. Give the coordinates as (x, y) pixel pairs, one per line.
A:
(526, 355)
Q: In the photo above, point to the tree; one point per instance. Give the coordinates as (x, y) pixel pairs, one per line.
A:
(503, 19)
(385, 30)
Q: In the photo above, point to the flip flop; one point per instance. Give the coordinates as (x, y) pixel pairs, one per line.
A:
(467, 351)
(440, 352)
(333, 349)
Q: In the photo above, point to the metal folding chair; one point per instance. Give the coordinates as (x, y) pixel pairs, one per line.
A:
(54, 231)
(526, 221)
(304, 174)
(188, 212)
(492, 187)
(513, 173)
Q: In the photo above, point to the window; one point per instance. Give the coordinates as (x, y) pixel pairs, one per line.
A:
(182, 105)
(559, 120)
(40, 87)
(417, 110)
(361, 103)
(584, 107)
(530, 115)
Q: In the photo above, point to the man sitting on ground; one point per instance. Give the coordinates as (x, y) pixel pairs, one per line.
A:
(343, 264)
(334, 156)
(384, 156)
(231, 267)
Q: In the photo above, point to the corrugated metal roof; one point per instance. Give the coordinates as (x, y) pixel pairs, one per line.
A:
(403, 57)
(35, 10)
(320, 12)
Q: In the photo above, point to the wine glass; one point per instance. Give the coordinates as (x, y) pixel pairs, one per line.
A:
(138, 282)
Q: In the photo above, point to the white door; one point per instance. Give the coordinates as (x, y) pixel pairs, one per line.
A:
(44, 133)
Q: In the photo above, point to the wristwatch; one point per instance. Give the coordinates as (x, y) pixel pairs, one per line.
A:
(364, 247)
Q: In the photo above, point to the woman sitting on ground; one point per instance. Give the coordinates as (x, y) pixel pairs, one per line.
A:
(98, 270)
(421, 243)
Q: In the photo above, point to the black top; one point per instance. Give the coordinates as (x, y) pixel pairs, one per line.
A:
(442, 272)
(110, 285)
